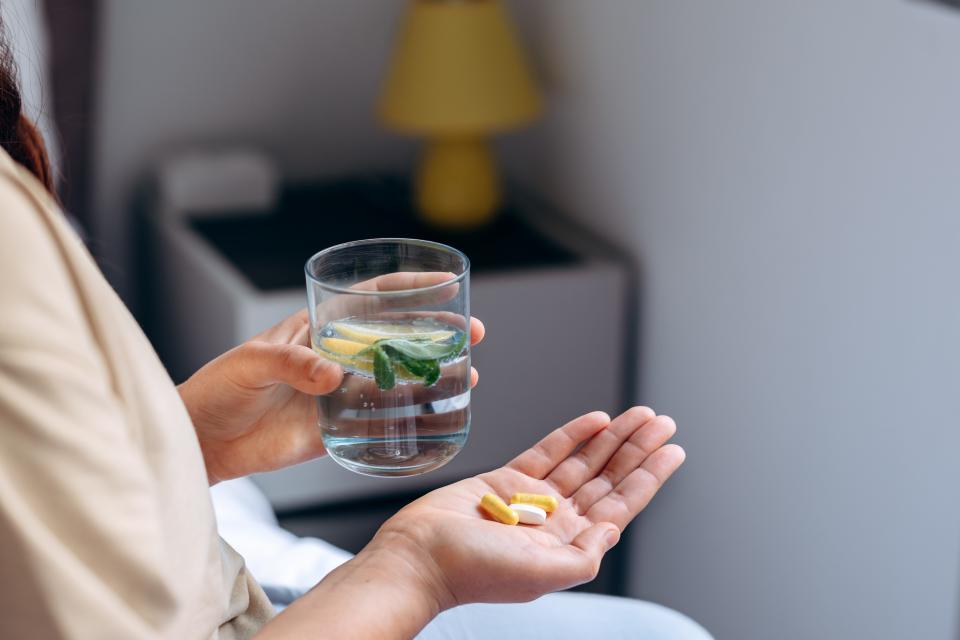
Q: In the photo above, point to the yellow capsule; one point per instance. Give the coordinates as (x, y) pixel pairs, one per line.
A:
(498, 509)
(547, 503)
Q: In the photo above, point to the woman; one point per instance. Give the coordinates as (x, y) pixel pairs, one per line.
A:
(106, 528)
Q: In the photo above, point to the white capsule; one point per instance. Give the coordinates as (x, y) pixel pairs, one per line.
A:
(529, 514)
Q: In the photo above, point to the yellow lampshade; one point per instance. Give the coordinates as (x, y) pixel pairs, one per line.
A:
(458, 69)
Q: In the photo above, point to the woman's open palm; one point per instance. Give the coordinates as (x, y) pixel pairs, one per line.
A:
(602, 472)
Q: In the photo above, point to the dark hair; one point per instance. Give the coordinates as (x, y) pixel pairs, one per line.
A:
(18, 136)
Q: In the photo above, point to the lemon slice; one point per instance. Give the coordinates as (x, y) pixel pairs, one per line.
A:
(342, 347)
(349, 363)
(368, 333)
(345, 352)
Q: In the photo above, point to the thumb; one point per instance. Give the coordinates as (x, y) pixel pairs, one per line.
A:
(266, 363)
(595, 542)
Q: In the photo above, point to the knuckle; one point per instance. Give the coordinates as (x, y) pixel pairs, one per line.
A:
(288, 360)
(639, 413)
(252, 350)
(590, 569)
(287, 355)
(595, 568)
(582, 459)
(542, 453)
(609, 476)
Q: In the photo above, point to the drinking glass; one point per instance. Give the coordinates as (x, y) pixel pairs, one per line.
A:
(394, 313)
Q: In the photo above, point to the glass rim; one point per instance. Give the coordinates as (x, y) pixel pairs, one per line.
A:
(395, 292)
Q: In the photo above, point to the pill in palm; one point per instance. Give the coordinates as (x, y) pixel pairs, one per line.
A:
(547, 503)
(528, 513)
(498, 509)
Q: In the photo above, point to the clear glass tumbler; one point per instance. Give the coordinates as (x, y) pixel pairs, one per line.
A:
(394, 314)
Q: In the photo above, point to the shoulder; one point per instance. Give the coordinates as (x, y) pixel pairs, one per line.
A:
(38, 294)
(24, 229)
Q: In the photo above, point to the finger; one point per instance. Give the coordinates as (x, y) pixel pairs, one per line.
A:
(595, 541)
(477, 331)
(585, 464)
(294, 329)
(631, 454)
(634, 493)
(474, 377)
(405, 280)
(543, 457)
(413, 281)
(580, 560)
(409, 289)
(376, 426)
(260, 364)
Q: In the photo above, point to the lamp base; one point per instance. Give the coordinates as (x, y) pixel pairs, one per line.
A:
(457, 185)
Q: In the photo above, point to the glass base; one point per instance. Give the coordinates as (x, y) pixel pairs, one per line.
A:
(383, 458)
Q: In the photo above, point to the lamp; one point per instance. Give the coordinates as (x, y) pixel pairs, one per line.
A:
(458, 75)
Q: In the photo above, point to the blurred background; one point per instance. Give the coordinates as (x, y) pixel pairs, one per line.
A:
(743, 214)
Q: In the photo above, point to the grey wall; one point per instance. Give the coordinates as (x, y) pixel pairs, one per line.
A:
(295, 77)
(789, 175)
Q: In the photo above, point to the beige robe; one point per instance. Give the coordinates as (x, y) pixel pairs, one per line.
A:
(106, 526)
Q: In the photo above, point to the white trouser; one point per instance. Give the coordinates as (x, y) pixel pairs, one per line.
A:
(287, 566)
(565, 616)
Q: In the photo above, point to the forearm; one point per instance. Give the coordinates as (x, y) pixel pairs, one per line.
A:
(381, 594)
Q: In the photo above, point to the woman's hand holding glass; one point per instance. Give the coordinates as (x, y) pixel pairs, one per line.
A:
(254, 408)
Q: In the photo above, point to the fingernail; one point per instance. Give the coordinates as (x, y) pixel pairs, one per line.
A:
(613, 537)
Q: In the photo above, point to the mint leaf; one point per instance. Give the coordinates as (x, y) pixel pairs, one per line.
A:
(429, 370)
(383, 372)
(424, 350)
(416, 350)
(421, 358)
(433, 374)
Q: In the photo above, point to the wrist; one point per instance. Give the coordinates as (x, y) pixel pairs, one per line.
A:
(190, 402)
(384, 592)
(411, 566)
